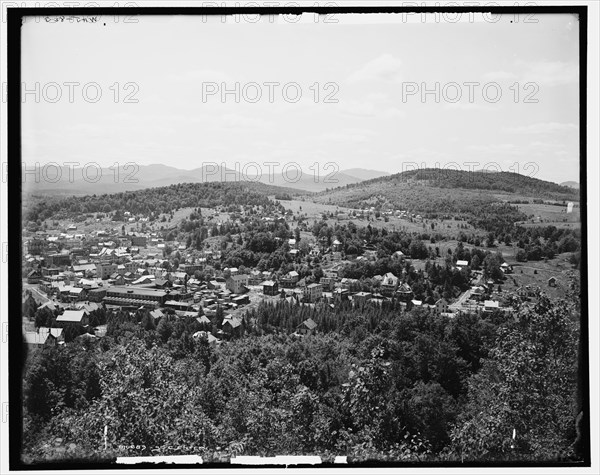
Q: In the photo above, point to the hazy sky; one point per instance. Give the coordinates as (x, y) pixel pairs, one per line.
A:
(374, 67)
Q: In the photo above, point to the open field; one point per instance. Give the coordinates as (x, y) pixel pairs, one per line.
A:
(314, 210)
(549, 214)
(537, 273)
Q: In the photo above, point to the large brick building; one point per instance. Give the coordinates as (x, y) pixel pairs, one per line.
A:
(135, 296)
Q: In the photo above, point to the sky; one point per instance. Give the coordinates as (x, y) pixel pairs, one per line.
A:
(346, 90)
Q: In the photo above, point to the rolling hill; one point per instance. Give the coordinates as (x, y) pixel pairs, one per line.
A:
(152, 201)
(501, 182)
(472, 196)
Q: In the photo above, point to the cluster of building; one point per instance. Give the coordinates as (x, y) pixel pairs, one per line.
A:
(370, 212)
(128, 272)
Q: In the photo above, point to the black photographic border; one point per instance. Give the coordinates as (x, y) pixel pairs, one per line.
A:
(16, 351)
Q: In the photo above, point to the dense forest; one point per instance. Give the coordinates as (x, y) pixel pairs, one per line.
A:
(476, 180)
(371, 383)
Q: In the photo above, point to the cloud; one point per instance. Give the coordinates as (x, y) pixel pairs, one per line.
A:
(543, 128)
(200, 75)
(369, 109)
(545, 146)
(233, 120)
(385, 68)
(499, 76)
(426, 155)
(373, 105)
(551, 73)
(469, 106)
(393, 112)
(349, 136)
(498, 148)
(543, 73)
(359, 108)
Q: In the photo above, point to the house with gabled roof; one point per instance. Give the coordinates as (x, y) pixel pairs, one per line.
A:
(156, 314)
(162, 283)
(307, 327)
(203, 320)
(404, 292)
(389, 283)
(34, 276)
(212, 340)
(44, 336)
(441, 306)
(73, 317)
(233, 326)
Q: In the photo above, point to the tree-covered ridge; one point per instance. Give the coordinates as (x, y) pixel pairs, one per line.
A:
(373, 383)
(476, 180)
(451, 194)
(156, 201)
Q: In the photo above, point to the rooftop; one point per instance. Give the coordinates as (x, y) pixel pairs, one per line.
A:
(131, 290)
(71, 316)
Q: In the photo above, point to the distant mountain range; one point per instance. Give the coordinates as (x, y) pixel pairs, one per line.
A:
(77, 181)
(570, 184)
(362, 174)
(64, 181)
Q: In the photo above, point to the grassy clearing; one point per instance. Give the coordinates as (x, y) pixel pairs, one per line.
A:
(536, 274)
(548, 213)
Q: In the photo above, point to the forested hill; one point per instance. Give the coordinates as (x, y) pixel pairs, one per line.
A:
(155, 201)
(498, 182)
